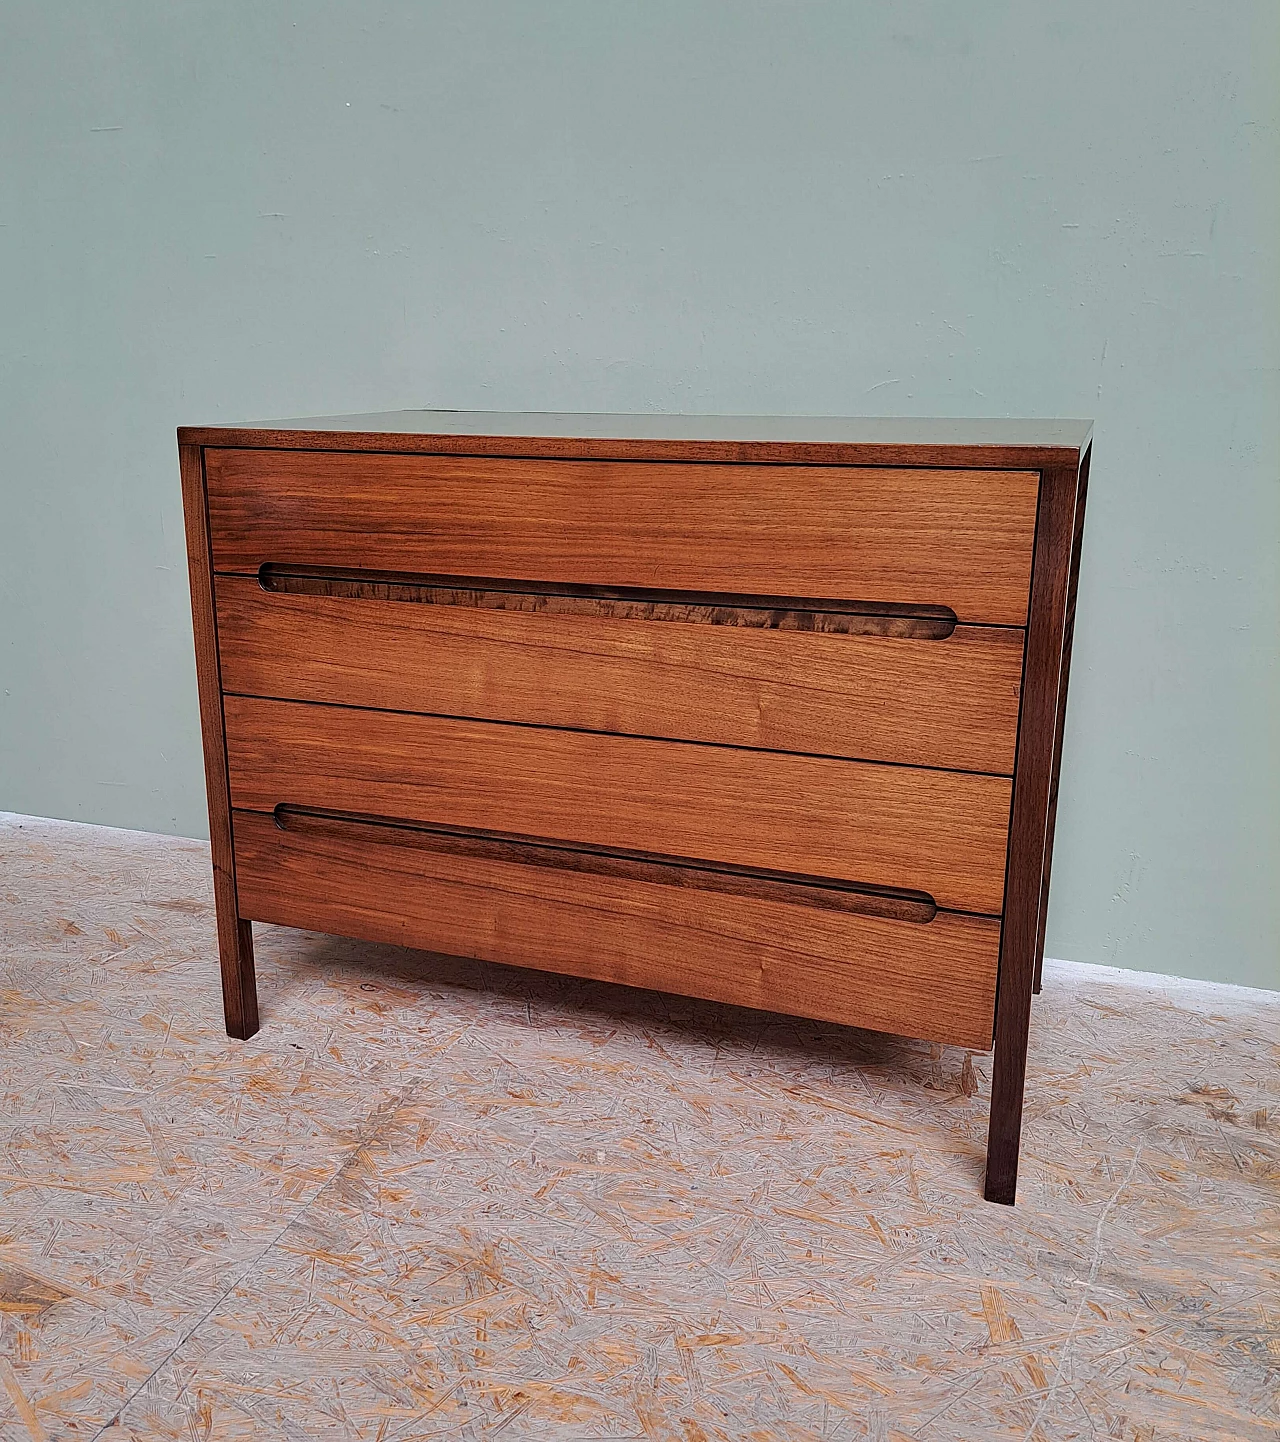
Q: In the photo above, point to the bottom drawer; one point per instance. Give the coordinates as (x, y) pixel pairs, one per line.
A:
(934, 979)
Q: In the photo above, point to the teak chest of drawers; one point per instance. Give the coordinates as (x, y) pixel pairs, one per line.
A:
(763, 711)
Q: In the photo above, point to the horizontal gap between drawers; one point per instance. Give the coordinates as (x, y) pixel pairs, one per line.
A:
(638, 603)
(759, 883)
(621, 735)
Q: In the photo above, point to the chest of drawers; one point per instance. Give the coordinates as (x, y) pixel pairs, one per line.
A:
(763, 711)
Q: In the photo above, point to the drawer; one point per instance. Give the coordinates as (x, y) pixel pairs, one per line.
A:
(955, 538)
(939, 832)
(949, 701)
(934, 980)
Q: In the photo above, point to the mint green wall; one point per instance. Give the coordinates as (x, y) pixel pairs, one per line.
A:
(217, 211)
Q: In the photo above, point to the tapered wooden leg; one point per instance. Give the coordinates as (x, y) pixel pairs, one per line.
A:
(239, 984)
(1008, 1079)
(235, 938)
(235, 935)
(1026, 872)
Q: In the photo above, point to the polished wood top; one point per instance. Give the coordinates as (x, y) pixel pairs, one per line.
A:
(830, 440)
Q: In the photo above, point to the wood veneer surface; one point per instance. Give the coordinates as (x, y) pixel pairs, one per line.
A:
(935, 980)
(956, 538)
(940, 832)
(951, 702)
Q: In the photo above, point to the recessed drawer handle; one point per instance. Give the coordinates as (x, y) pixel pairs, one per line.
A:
(633, 603)
(746, 881)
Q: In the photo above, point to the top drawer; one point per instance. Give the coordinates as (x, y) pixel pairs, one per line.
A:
(956, 538)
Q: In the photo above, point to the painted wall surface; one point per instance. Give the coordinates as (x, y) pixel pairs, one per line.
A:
(234, 210)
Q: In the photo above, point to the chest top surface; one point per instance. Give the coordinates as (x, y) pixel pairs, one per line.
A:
(834, 440)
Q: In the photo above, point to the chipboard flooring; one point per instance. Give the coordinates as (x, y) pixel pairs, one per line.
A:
(438, 1199)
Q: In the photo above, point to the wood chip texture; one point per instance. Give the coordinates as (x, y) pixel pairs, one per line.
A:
(438, 1199)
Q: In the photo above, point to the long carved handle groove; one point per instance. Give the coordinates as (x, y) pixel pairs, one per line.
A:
(633, 603)
(762, 884)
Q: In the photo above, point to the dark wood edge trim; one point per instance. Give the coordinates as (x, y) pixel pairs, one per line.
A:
(1033, 771)
(1073, 587)
(235, 937)
(760, 883)
(807, 453)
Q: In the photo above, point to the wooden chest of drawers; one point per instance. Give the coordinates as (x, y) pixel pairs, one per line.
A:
(763, 711)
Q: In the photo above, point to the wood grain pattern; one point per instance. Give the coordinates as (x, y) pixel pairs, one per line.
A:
(935, 981)
(755, 440)
(949, 703)
(953, 538)
(940, 832)
(1028, 826)
(642, 690)
(235, 937)
(1073, 587)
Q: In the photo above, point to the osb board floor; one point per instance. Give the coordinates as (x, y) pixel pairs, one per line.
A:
(439, 1199)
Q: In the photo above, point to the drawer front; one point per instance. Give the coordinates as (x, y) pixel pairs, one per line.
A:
(938, 832)
(933, 980)
(951, 701)
(955, 538)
